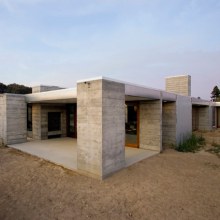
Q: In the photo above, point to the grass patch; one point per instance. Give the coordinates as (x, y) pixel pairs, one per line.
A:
(192, 144)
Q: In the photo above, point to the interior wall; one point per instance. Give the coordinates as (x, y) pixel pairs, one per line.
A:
(169, 124)
(202, 118)
(40, 120)
(151, 125)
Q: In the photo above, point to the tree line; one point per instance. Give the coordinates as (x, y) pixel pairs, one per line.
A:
(15, 88)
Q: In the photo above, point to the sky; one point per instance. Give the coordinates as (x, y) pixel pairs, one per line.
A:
(54, 42)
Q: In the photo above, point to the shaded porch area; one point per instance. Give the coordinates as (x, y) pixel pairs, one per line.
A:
(63, 152)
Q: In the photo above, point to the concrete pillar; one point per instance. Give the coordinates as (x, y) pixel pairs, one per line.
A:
(36, 121)
(100, 127)
(151, 125)
(13, 126)
(169, 124)
(3, 118)
(183, 118)
(179, 84)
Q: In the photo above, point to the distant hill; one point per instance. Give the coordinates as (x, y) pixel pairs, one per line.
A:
(14, 88)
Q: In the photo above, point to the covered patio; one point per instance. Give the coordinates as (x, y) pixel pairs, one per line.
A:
(63, 152)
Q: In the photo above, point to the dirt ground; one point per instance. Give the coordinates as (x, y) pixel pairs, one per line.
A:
(171, 185)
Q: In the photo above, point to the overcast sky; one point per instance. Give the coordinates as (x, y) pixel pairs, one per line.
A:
(57, 42)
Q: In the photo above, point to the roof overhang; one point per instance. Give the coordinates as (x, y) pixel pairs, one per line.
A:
(200, 102)
(55, 96)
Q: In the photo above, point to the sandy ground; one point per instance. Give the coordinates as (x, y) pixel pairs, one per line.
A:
(171, 185)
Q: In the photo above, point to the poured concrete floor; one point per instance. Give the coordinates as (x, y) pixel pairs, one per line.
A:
(63, 151)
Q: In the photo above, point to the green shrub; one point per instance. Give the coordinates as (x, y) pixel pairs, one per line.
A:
(192, 144)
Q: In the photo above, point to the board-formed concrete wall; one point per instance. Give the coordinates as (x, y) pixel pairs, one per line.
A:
(2, 119)
(169, 124)
(13, 119)
(205, 120)
(101, 127)
(36, 121)
(151, 125)
(40, 120)
(183, 118)
(179, 84)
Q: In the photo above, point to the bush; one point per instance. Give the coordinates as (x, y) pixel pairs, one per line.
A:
(192, 144)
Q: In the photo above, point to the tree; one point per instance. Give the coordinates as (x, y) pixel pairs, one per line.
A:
(215, 94)
(3, 88)
(14, 88)
(18, 89)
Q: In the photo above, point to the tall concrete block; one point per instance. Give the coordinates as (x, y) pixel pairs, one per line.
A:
(183, 118)
(100, 127)
(151, 125)
(13, 128)
(3, 119)
(179, 84)
(169, 124)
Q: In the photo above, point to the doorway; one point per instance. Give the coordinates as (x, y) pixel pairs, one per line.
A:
(132, 124)
(71, 121)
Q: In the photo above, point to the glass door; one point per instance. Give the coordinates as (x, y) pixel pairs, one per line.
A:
(132, 124)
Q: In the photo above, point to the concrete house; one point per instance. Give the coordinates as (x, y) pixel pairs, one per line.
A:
(106, 118)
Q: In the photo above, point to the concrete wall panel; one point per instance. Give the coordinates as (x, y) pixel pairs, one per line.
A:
(169, 124)
(150, 125)
(184, 118)
(15, 125)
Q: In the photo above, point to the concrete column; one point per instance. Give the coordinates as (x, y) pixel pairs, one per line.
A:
(101, 127)
(3, 118)
(183, 118)
(169, 124)
(13, 128)
(36, 121)
(151, 125)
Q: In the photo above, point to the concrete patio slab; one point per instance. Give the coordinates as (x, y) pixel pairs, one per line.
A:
(63, 151)
(134, 155)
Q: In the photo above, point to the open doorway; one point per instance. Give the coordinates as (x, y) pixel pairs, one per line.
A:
(132, 124)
